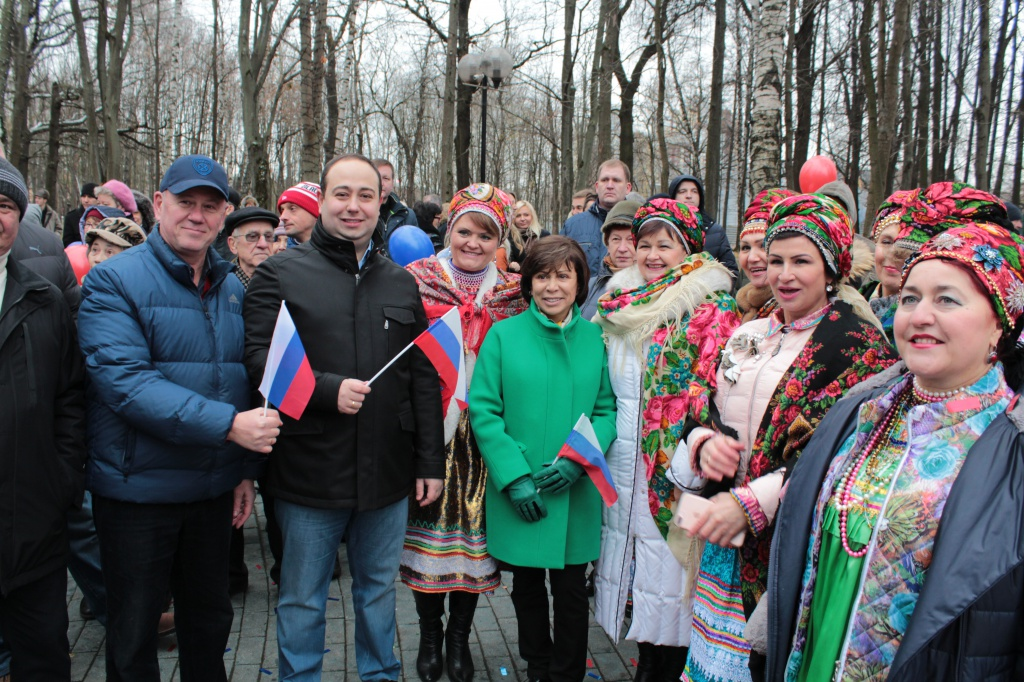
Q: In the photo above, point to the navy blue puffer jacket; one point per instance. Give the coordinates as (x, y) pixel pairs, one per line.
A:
(165, 377)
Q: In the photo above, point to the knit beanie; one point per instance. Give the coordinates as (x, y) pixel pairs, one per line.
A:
(305, 195)
(12, 186)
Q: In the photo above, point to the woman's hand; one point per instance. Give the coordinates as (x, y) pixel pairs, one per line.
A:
(720, 457)
(723, 521)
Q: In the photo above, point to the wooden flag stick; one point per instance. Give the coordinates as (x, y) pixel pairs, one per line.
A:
(404, 350)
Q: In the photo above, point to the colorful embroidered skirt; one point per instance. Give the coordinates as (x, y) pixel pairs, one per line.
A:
(445, 546)
(717, 649)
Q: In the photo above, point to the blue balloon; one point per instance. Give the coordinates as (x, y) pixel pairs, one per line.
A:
(409, 243)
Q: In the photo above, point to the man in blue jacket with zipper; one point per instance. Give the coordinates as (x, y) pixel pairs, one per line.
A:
(173, 448)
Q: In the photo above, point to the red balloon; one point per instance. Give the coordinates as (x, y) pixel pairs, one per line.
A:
(78, 254)
(817, 171)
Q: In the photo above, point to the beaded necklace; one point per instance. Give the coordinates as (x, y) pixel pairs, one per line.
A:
(467, 281)
(875, 463)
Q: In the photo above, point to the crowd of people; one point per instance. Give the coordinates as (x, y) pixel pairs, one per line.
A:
(818, 472)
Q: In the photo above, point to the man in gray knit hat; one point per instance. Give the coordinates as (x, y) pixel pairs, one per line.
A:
(42, 452)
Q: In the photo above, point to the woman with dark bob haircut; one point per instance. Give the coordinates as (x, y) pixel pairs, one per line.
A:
(536, 374)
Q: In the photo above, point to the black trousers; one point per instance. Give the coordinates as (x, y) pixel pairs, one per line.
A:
(144, 549)
(34, 624)
(562, 658)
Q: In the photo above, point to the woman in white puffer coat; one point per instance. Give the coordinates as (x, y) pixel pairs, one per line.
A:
(665, 321)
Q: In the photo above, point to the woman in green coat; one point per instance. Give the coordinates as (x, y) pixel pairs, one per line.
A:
(535, 375)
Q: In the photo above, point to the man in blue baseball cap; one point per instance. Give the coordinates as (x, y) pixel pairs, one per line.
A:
(173, 446)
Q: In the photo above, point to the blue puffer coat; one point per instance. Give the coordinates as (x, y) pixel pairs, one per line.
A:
(166, 377)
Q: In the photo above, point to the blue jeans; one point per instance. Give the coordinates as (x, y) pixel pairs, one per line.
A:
(311, 539)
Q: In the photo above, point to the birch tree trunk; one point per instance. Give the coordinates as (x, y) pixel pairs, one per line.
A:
(766, 115)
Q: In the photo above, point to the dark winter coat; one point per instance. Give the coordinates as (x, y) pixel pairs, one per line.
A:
(42, 427)
(166, 377)
(69, 234)
(715, 241)
(394, 214)
(969, 620)
(351, 321)
(41, 251)
(585, 229)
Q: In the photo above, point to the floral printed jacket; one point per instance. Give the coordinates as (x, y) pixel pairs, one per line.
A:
(966, 620)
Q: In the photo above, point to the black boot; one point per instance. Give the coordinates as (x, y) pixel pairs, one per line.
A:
(430, 609)
(646, 663)
(461, 608)
(672, 660)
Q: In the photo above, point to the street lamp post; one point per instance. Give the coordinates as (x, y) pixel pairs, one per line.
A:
(485, 71)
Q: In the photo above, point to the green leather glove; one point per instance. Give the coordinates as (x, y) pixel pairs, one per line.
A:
(558, 476)
(526, 499)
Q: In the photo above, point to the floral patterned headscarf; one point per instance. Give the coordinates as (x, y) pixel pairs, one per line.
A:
(822, 220)
(684, 221)
(892, 210)
(483, 198)
(755, 218)
(944, 205)
(993, 255)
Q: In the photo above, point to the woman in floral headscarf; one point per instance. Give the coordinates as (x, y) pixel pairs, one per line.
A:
(445, 549)
(899, 552)
(665, 320)
(777, 378)
(889, 257)
(909, 218)
(755, 297)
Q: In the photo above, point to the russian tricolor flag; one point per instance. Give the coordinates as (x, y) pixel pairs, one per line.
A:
(287, 379)
(582, 447)
(442, 344)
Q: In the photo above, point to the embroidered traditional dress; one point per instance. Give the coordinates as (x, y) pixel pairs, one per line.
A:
(821, 356)
(445, 543)
(900, 495)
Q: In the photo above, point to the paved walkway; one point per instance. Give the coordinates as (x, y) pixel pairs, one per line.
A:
(252, 647)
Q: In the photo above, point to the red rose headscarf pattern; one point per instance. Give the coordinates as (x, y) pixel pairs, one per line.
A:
(678, 217)
(822, 220)
(892, 210)
(943, 205)
(993, 255)
(755, 218)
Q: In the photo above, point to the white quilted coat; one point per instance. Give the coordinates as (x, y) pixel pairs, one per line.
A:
(659, 616)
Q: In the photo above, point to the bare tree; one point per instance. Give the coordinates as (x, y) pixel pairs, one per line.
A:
(881, 87)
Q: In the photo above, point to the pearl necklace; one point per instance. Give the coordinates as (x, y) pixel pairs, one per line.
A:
(847, 483)
(936, 396)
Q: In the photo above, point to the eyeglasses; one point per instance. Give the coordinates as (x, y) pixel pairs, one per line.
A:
(253, 237)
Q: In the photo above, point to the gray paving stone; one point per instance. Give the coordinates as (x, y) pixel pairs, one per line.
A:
(494, 641)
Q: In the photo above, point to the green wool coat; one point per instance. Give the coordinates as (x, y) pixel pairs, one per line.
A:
(532, 381)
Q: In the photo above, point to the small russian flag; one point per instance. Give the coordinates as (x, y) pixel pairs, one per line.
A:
(287, 379)
(582, 447)
(442, 344)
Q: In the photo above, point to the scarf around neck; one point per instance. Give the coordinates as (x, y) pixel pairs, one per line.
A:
(684, 319)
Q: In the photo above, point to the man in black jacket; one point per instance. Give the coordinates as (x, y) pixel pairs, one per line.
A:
(690, 190)
(42, 453)
(74, 216)
(351, 461)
